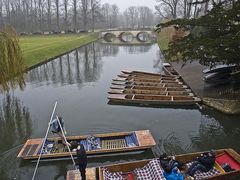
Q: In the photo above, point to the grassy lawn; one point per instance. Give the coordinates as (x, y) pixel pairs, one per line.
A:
(37, 49)
(164, 37)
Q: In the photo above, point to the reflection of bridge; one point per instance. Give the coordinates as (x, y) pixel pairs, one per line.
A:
(133, 33)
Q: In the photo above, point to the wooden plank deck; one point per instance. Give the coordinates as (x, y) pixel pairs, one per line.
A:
(75, 175)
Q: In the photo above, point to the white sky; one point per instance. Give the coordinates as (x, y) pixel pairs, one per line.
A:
(123, 4)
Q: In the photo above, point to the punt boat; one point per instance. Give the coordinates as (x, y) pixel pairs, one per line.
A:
(140, 73)
(103, 144)
(130, 76)
(169, 70)
(161, 87)
(162, 83)
(152, 92)
(153, 99)
(147, 85)
(220, 69)
(159, 80)
(151, 168)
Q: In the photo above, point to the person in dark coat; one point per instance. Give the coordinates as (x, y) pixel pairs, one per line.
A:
(204, 163)
(81, 158)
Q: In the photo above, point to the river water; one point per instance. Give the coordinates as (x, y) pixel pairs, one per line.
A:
(79, 81)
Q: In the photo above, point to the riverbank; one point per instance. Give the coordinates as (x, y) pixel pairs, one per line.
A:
(39, 49)
(192, 74)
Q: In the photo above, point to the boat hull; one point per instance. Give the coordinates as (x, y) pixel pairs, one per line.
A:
(141, 136)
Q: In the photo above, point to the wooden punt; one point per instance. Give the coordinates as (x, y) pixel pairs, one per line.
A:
(159, 80)
(162, 83)
(108, 143)
(169, 70)
(153, 99)
(233, 158)
(162, 87)
(130, 76)
(152, 92)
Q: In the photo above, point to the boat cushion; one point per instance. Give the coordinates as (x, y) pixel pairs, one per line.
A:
(202, 175)
(131, 140)
(90, 147)
(107, 175)
(227, 158)
(152, 170)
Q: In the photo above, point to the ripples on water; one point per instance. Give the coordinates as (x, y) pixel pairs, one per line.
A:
(80, 81)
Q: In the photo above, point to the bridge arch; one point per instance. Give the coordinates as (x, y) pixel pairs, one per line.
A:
(145, 35)
(126, 36)
(109, 35)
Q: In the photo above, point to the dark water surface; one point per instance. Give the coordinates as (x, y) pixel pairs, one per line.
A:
(79, 81)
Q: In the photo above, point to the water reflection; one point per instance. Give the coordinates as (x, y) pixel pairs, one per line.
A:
(126, 37)
(81, 65)
(137, 49)
(15, 122)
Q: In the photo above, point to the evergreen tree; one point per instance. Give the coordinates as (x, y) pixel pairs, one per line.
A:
(212, 39)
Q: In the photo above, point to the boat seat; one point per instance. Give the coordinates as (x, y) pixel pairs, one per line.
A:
(152, 170)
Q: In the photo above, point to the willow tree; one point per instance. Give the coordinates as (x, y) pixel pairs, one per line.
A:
(11, 60)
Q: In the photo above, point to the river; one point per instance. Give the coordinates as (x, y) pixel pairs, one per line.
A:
(79, 81)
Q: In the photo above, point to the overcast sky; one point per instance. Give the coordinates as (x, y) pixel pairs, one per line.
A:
(123, 4)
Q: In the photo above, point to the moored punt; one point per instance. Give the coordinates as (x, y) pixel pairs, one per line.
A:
(103, 144)
(153, 99)
(130, 76)
(152, 92)
(169, 70)
(151, 168)
(162, 87)
(162, 83)
(159, 80)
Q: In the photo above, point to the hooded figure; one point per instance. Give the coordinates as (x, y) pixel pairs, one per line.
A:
(204, 163)
(81, 158)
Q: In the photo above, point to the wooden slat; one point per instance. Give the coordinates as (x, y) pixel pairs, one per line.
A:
(33, 149)
(145, 138)
(26, 150)
(75, 175)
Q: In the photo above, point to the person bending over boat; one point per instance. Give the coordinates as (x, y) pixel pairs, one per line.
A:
(81, 158)
(56, 129)
(171, 167)
(204, 163)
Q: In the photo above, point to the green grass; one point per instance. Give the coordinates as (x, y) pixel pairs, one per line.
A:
(37, 49)
(164, 37)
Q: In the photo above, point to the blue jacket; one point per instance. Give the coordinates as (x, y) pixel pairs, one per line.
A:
(174, 175)
(55, 125)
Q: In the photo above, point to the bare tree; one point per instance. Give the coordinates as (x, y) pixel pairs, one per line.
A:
(57, 14)
(95, 8)
(114, 13)
(75, 15)
(65, 3)
(49, 14)
(1, 13)
(167, 6)
(132, 14)
(85, 10)
(106, 13)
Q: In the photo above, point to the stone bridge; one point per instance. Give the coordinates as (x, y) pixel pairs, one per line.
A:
(134, 33)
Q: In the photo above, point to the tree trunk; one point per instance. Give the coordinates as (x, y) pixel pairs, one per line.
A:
(1, 13)
(49, 19)
(57, 14)
(75, 15)
(66, 14)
